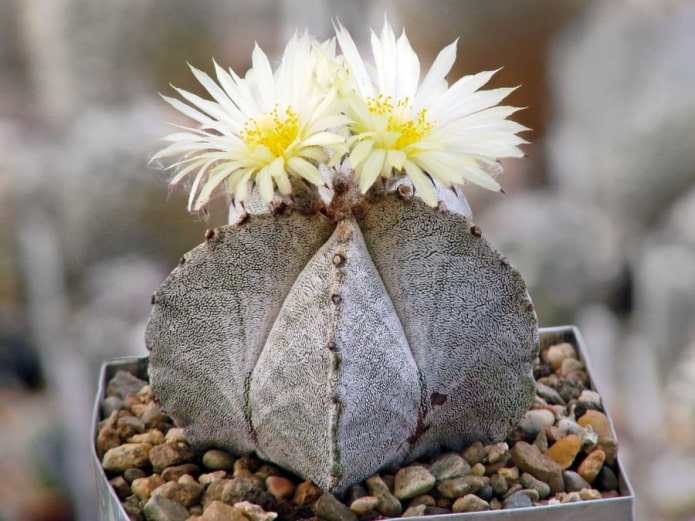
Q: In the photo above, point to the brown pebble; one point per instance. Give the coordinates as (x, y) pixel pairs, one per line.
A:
(126, 456)
(478, 469)
(281, 488)
(591, 466)
(175, 472)
(186, 494)
(570, 365)
(170, 454)
(143, 487)
(565, 450)
(219, 511)
(307, 493)
(598, 421)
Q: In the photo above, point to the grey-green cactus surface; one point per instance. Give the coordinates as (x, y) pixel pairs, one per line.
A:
(335, 346)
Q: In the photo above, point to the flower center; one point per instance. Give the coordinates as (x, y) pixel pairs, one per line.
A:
(273, 131)
(399, 120)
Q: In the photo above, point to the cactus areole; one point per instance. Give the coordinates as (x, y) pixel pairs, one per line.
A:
(355, 317)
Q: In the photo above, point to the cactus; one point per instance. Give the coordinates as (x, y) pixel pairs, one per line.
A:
(343, 327)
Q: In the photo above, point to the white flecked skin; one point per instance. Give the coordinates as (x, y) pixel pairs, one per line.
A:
(336, 346)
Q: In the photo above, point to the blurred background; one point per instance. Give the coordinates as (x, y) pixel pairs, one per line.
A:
(599, 218)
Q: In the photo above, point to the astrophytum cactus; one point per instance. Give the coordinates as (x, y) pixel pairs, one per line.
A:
(342, 327)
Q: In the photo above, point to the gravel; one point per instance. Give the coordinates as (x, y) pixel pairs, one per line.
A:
(158, 477)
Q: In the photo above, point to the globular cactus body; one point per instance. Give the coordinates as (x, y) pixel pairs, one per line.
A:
(335, 346)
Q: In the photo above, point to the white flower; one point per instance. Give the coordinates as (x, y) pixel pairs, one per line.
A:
(263, 128)
(429, 130)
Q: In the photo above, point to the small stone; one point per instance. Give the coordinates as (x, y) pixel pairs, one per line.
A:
(509, 473)
(362, 505)
(540, 417)
(255, 512)
(264, 471)
(328, 507)
(541, 441)
(109, 405)
(242, 488)
(132, 507)
(606, 479)
(388, 503)
(153, 437)
(495, 504)
(485, 492)
(513, 489)
(569, 365)
(599, 422)
(128, 426)
(145, 394)
(565, 450)
(412, 481)
(474, 453)
(175, 472)
(530, 482)
(153, 415)
(208, 477)
(457, 487)
(169, 455)
(591, 466)
(245, 466)
(188, 494)
(574, 482)
(499, 485)
(143, 487)
(470, 503)
(570, 497)
(444, 502)
(215, 459)
(160, 508)
(219, 511)
(449, 466)
(131, 475)
(126, 456)
(174, 435)
(589, 494)
(120, 486)
(556, 354)
(307, 493)
(590, 398)
(437, 511)
(518, 500)
(108, 437)
(478, 469)
(424, 499)
(495, 452)
(610, 448)
(354, 492)
(415, 511)
(213, 492)
(568, 426)
(531, 493)
(549, 394)
(279, 487)
(525, 430)
(123, 383)
(529, 459)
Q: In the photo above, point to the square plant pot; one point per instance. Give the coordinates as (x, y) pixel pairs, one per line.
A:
(618, 508)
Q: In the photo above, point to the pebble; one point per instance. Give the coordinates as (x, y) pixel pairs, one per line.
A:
(590, 398)
(153, 437)
(485, 492)
(219, 511)
(437, 511)
(529, 459)
(495, 452)
(606, 479)
(153, 415)
(540, 417)
(599, 422)
(143, 487)
(474, 453)
(499, 485)
(541, 441)
(518, 500)
(388, 504)
(329, 508)
(509, 473)
(108, 437)
(307, 493)
(174, 435)
(549, 394)
(279, 487)
(110, 404)
(574, 482)
(255, 512)
(242, 488)
(123, 384)
(565, 450)
(570, 497)
(530, 482)
(478, 469)
(362, 505)
(591, 466)
(589, 494)
(415, 511)
(128, 426)
(121, 486)
(470, 503)
(245, 466)
(170, 454)
(570, 365)
(451, 465)
(264, 471)
(425, 499)
(126, 456)
(215, 459)
(207, 478)
(457, 487)
(175, 472)
(188, 494)
(132, 474)
(159, 508)
(556, 354)
(213, 492)
(412, 481)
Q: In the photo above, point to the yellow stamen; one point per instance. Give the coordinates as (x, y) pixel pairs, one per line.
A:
(410, 130)
(272, 131)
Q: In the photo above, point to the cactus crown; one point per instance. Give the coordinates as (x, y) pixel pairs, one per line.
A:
(321, 115)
